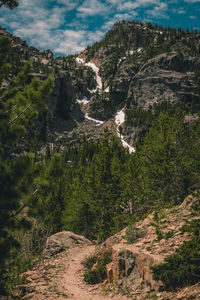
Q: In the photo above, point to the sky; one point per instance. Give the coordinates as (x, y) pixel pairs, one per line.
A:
(69, 26)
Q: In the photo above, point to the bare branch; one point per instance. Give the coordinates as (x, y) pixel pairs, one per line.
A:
(24, 205)
(21, 113)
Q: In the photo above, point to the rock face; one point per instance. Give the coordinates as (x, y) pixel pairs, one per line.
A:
(165, 77)
(62, 100)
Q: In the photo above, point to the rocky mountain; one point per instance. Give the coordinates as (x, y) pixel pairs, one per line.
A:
(135, 67)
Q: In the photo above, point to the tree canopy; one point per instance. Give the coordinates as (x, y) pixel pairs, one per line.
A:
(9, 3)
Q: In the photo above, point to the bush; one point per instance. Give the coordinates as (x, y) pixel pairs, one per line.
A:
(89, 262)
(182, 268)
(99, 274)
(133, 233)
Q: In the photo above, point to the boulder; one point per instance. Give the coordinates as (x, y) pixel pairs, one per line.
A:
(61, 241)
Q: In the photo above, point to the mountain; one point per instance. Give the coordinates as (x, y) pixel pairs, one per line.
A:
(116, 145)
(137, 67)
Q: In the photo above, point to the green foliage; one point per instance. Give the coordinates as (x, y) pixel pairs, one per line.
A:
(9, 3)
(192, 226)
(133, 233)
(182, 268)
(95, 194)
(18, 110)
(99, 273)
(48, 204)
(163, 174)
(89, 262)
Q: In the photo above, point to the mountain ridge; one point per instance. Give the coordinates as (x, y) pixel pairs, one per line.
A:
(139, 65)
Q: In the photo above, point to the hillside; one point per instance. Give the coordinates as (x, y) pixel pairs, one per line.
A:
(98, 154)
(129, 273)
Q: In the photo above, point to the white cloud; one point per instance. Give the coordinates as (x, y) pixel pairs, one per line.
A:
(91, 8)
(76, 41)
(181, 11)
(159, 11)
(65, 25)
(191, 1)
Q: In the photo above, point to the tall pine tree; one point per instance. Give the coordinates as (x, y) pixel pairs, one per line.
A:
(18, 110)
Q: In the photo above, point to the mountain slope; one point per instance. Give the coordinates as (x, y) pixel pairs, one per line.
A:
(129, 273)
(136, 66)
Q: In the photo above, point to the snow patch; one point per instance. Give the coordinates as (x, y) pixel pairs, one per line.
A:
(139, 50)
(83, 101)
(131, 52)
(98, 78)
(119, 120)
(120, 117)
(107, 90)
(94, 120)
(80, 60)
(126, 145)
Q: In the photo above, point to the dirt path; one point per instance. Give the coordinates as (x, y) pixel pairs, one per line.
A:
(61, 277)
(72, 279)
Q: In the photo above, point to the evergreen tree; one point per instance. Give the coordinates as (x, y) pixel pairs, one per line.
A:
(9, 3)
(48, 204)
(159, 159)
(18, 110)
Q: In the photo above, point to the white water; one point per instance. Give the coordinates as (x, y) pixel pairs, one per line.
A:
(99, 122)
(98, 78)
(139, 50)
(107, 90)
(96, 71)
(83, 101)
(119, 120)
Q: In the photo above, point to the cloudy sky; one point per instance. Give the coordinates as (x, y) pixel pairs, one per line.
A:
(68, 26)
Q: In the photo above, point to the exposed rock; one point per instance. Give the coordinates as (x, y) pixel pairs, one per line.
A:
(165, 77)
(62, 241)
(134, 260)
(62, 101)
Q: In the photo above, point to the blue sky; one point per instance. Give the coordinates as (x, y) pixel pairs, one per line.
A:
(68, 26)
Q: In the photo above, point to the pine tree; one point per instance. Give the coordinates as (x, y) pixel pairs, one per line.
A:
(161, 177)
(18, 110)
(9, 3)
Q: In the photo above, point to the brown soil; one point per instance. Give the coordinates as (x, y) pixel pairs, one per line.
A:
(62, 278)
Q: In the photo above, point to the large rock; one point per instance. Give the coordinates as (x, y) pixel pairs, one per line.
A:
(165, 77)
(62, 100)
(61, 241)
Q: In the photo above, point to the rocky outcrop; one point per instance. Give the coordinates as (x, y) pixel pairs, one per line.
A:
(63, 240)
(131, 262)
(165, 77)
(62, 100)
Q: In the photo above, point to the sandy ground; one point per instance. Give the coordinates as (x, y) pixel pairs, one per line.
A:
(62, 278)
(72, 279)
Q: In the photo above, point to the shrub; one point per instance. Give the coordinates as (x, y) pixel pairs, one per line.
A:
(133, 233)
(89, 262)
(182, 268)
(99, 273)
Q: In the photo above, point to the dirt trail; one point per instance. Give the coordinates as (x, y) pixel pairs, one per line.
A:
(72, 278)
